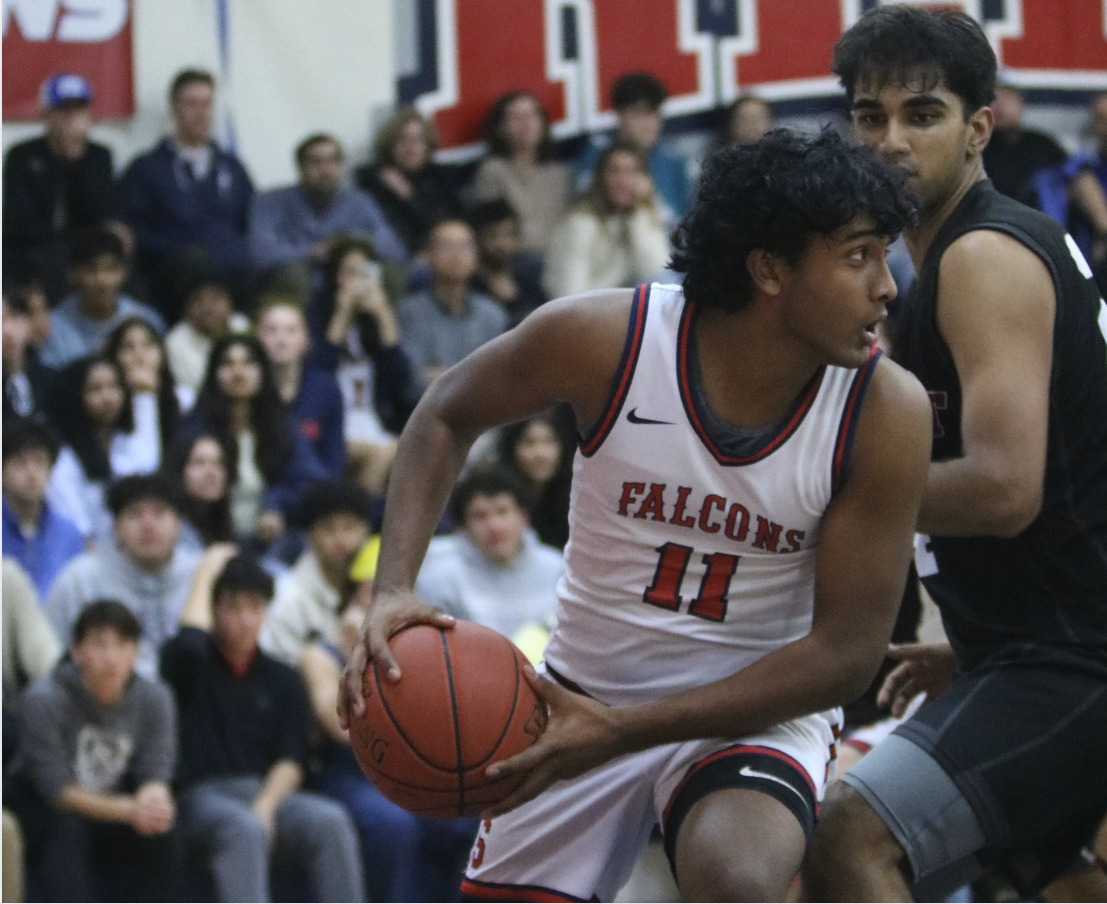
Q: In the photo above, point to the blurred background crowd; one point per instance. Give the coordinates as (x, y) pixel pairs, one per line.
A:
(203, 385)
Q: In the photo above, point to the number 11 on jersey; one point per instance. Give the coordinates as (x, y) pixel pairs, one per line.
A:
(711, 601)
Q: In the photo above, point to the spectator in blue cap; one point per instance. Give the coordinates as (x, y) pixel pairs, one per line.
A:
(55, 183)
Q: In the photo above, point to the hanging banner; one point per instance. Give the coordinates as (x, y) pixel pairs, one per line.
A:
(89, 37)
(569, 52)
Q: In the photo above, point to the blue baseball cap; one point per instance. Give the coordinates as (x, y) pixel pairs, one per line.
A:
(65, 88)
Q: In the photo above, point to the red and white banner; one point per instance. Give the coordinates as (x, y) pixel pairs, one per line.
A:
(779, 48)
(89, 37)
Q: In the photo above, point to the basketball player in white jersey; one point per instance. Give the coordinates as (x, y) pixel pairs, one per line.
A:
(744, 494)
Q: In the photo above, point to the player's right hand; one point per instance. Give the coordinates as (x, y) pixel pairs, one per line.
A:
(923, 668)
(388, 613)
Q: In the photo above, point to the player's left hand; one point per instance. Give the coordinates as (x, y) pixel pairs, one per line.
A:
(581, 734)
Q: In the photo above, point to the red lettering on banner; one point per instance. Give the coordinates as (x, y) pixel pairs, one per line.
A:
(789, 46)
(1058, 35)
(45, 37)
(494, 50)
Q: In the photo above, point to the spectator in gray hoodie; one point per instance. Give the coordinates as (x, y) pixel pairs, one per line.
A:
(92, 780)
(146, 568)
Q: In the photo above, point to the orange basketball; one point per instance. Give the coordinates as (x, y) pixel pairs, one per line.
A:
(461, 703)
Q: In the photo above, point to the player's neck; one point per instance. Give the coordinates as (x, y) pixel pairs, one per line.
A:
(750, 380)
(919, 238)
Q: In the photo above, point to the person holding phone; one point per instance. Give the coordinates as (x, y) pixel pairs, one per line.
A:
(356, 336)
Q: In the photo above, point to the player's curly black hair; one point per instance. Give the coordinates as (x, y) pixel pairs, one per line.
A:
(776, 195)
(908, 45)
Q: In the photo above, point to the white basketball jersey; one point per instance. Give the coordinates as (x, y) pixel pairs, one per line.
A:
(685, 564)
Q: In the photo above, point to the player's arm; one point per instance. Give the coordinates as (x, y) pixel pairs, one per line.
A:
(864, 548)
(996, 309)
(566, 351)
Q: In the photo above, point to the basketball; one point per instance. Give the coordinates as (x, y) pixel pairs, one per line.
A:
(461, 703)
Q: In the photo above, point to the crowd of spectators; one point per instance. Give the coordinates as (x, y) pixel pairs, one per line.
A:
(203, 386)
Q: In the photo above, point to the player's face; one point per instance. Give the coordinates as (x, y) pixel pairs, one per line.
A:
(835, 299)
(147, 531)
(237, 618)
(106, 661)
(495, 524)
(924, 133)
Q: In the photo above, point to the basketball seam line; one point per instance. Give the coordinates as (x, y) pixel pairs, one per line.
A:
(457, 725)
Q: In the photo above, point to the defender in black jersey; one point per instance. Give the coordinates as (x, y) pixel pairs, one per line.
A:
(1005, 329)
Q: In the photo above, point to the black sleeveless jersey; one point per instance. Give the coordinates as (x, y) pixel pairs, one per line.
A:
(1047, 587)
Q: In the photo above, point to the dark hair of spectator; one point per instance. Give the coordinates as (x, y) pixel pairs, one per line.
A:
(126, 491)
(242, 574)
(384, 142)
(638, 88)
(485, 481)
(66, 406)
(27, 435)
(548, 504)
(323, 302)
(776, 195)
(498, 145)
(311, 141)
(169, 406)
(187, 77)
(920, 49)
(88, 243)
(104, 613)
(210, 519)
(491, 213)
(323, 498)
(340, 247)
(268, 417)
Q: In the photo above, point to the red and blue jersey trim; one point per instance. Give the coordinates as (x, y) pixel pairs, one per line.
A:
(770, 443)
(635, 329)
(847, 427)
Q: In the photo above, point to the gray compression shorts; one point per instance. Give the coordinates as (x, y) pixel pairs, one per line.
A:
(941, 835)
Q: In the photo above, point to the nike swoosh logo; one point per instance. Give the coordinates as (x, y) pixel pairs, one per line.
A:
(634, 418)
(749, 772)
